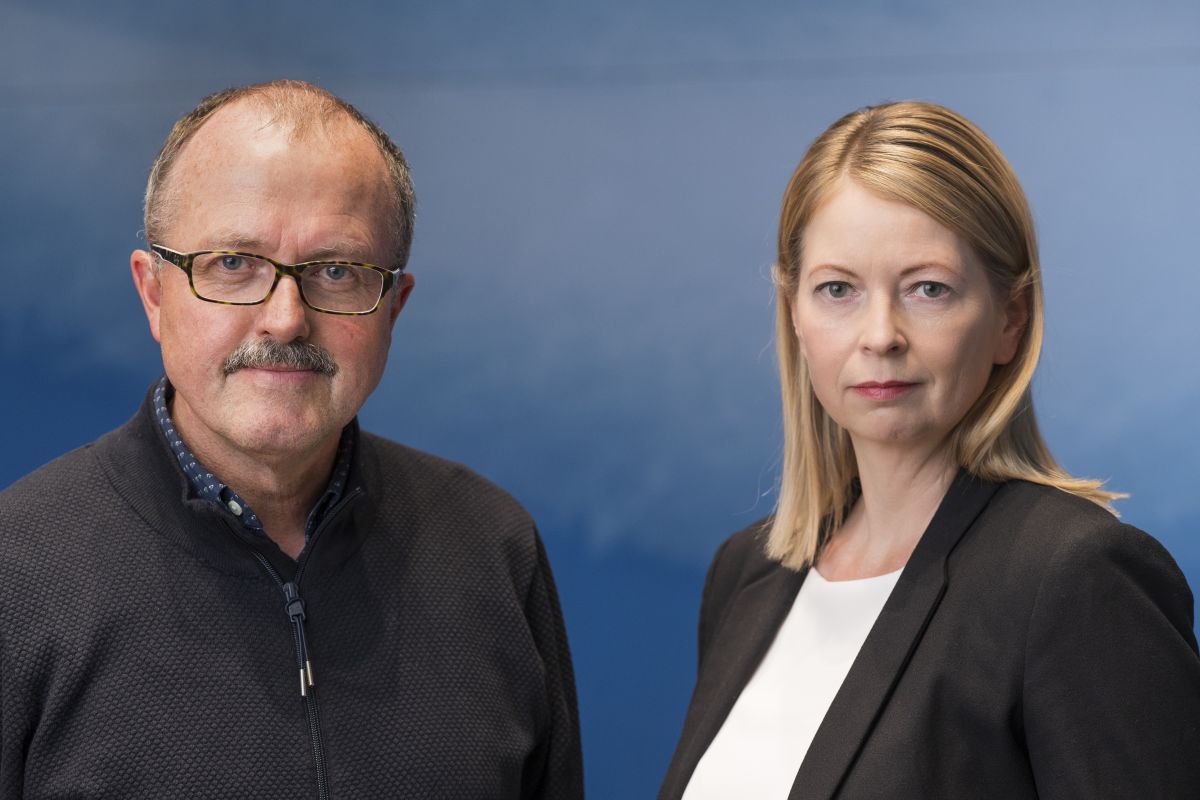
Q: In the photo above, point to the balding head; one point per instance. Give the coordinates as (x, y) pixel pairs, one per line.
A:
(305, 110)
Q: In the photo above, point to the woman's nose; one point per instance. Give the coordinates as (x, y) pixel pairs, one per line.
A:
(881, 331)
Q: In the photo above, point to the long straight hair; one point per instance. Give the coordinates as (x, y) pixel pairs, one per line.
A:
(932, 159)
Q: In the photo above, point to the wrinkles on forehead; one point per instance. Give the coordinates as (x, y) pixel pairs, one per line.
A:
(250, 125)
(292, 109)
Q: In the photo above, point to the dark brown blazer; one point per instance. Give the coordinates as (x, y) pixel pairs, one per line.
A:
(1033, 646)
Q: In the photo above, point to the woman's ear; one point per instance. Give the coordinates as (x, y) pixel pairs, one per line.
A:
(1016, 320)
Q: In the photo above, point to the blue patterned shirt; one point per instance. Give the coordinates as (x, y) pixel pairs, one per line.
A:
(210, 487)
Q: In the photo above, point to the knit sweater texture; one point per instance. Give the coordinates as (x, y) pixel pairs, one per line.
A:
(145, 649)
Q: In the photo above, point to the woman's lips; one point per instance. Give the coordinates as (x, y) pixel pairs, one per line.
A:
(883, 390)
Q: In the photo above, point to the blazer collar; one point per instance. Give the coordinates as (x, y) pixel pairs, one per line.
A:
(891, 643)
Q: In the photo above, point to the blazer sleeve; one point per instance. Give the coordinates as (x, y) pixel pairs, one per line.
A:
(1111, 701)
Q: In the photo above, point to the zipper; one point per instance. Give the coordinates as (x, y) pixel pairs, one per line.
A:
(293, 606)
(295, 611)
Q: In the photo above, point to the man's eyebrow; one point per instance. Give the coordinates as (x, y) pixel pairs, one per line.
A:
(231, 240)
(336, 249)
(346, 250)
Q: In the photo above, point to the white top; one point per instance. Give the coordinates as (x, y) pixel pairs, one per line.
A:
(758, 750)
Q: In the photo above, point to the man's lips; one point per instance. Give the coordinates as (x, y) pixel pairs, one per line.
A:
(278, 374)
(883, 390)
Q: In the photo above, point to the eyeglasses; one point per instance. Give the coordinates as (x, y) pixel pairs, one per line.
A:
(246, 279)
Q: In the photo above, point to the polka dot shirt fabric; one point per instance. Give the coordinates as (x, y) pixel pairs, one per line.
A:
(210, 487)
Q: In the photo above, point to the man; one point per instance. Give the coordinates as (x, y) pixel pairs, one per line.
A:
(238, 593)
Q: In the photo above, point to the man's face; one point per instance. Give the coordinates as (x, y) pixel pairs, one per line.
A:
(243, 183)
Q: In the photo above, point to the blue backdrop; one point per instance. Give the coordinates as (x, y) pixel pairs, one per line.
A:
(598, 189)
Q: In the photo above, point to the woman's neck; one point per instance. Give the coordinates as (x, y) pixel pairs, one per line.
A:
(901, 491)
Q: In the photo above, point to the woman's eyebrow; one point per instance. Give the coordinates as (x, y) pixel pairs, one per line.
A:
(836, 268)
(943, 266)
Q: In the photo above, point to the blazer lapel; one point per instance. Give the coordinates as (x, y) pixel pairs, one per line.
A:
(890, 645)
(739, 644)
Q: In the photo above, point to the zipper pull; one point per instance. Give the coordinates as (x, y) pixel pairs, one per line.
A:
(294, 606)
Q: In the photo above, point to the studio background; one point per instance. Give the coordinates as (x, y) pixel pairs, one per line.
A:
(598, 189)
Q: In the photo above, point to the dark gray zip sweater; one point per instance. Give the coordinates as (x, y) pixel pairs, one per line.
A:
(147, 648)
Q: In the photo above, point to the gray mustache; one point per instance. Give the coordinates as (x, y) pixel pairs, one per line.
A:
(261, 353)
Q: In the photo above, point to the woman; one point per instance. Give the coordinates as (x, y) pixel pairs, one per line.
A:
(936, 608)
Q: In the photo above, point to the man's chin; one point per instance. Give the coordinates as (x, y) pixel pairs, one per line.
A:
(282, 445)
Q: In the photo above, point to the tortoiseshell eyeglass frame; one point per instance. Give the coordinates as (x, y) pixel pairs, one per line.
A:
(294, 271)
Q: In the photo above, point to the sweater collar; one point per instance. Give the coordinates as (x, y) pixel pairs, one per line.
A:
(141, 466)
(210, 487)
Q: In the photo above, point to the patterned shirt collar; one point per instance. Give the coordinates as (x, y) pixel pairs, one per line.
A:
(209, 487)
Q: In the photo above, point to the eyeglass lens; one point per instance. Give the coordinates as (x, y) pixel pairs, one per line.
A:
(246, 279)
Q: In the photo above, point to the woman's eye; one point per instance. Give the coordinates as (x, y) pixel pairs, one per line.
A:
(835, 289)
(932, 289)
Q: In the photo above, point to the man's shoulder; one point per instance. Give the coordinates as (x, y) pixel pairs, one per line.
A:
(441, 488)
(54, 482)
(53, 518)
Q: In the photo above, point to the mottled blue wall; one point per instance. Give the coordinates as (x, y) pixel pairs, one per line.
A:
(598, 188)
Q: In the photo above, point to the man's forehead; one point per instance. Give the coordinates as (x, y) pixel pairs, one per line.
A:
(251, 120)
(250, 129)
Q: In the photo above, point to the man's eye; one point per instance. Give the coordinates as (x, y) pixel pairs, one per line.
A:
(835, 289)
(335, 272)
(932, 289)
(232, 263)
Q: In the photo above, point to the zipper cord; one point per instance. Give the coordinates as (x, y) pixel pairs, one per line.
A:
(295, 611)
(294, 606)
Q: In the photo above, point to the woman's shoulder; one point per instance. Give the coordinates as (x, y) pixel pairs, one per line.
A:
(1054, 522)
(742, 558)
(1073, 548)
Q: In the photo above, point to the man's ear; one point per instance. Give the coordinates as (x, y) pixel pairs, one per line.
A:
(1016, 320)
(149, 289)
(402, 291)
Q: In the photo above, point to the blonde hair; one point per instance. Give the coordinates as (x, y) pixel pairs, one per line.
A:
(301, 106)
(938, 162)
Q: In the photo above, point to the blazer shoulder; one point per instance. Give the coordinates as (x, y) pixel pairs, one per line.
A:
(742, 558)
(739, 561)
(1045, 502)
(1059, 525)
(1071, 545)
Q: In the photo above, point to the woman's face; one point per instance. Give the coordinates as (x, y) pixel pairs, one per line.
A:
(897, 320)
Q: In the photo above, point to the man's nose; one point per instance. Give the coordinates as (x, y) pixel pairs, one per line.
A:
(284, 317)
(882, 332)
